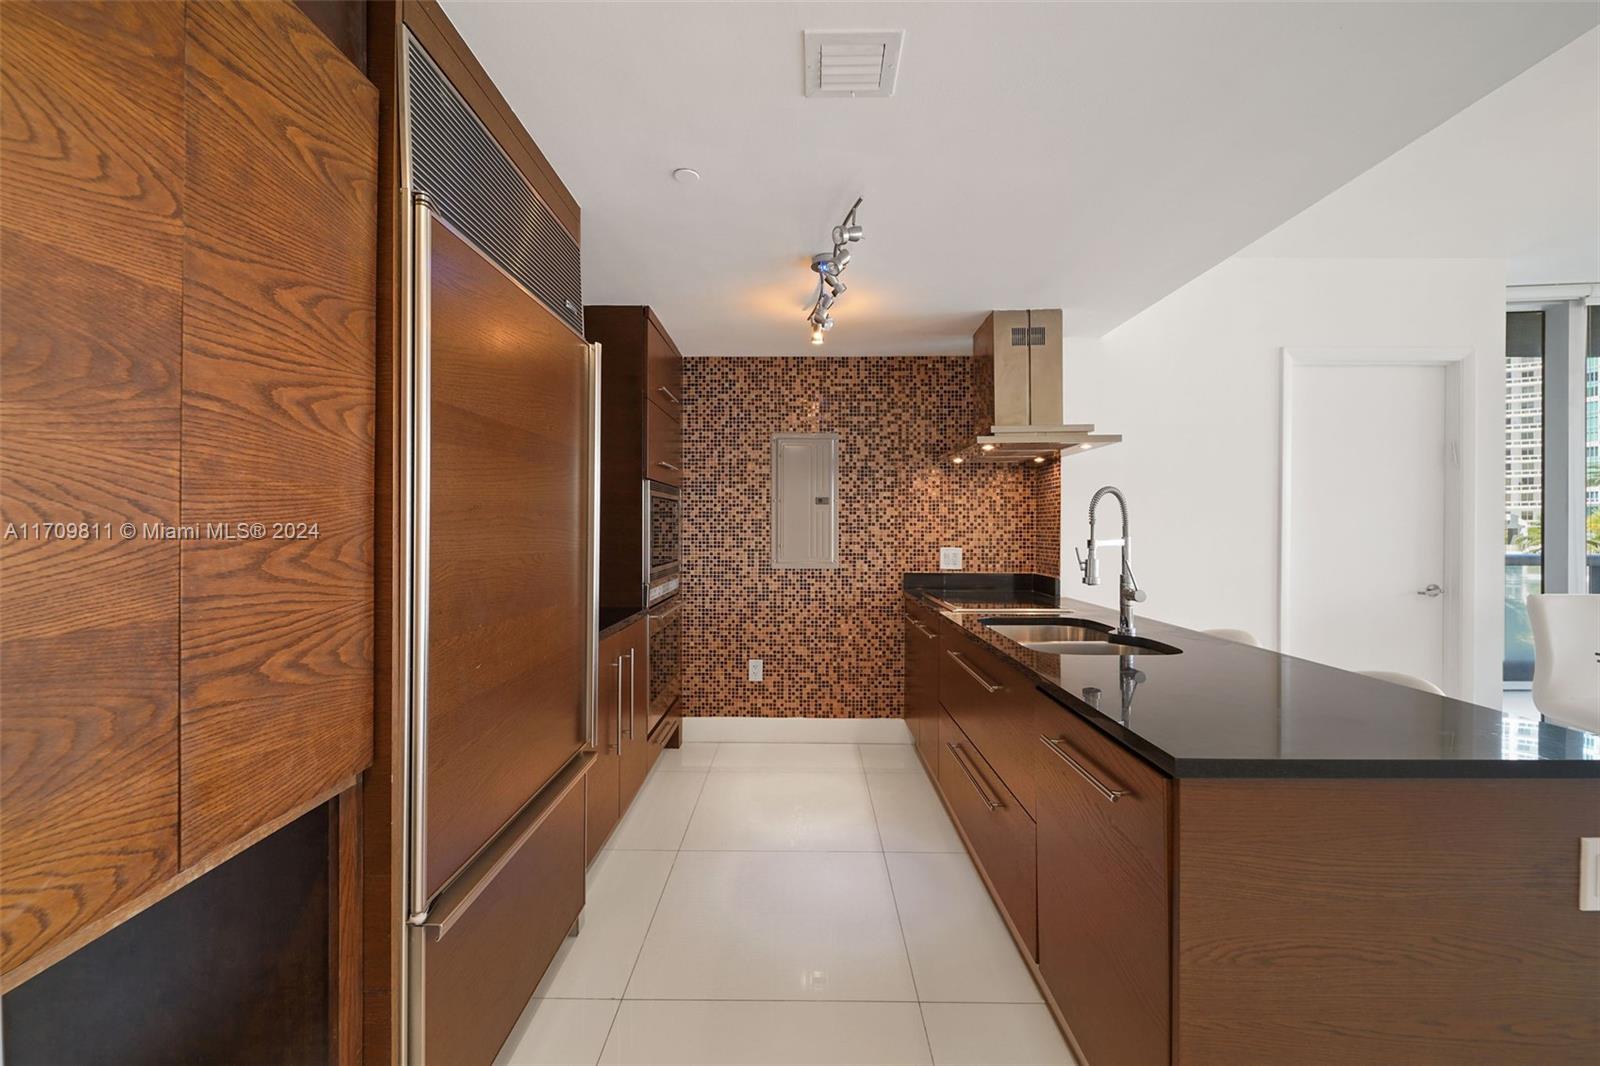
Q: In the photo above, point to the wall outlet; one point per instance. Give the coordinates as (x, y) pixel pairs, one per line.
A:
(755, 670)
(949, 558)
(1589, 873)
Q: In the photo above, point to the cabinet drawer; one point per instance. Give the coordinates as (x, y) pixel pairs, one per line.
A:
(1105, 922)
(922, 680)
(995, 706)
(663, 370)
(1001, 832)
(663, 446)
(479, 972)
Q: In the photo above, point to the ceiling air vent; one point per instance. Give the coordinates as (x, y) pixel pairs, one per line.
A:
(852, 62)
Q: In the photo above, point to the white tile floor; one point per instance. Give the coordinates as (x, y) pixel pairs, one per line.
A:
(789, 903)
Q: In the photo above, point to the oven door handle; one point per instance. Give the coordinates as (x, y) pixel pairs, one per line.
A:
(666, 614)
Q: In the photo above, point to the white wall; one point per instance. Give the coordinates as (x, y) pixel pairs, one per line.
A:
(1194, 385)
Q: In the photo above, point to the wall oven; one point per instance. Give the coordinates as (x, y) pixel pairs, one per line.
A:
(662, 541)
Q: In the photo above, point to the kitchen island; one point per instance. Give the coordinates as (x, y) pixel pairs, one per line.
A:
(1228, 855)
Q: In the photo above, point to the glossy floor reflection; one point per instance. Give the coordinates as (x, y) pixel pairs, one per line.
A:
(787, 903)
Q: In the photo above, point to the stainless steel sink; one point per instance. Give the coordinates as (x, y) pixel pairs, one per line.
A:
(1075, 636)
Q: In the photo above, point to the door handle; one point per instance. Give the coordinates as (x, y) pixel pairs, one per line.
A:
(668, 393)
(669, 466)
(972, 777)
(1111, 794)
(988, 686)
(1430, 591)
(632, 708)
(620, 705)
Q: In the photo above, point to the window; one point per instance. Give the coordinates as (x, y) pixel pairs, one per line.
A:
(1552, 461)
(1591, 449)
(1524, 486)
(805, 509)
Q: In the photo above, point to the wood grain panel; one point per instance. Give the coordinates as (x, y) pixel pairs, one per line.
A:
(505, 619)
(1001, 722)
(1002, 838)
(90, 278)
(381, 801)
(278, 369)
(604, 783)
(479, 974)
(1422, 922)
(620, 332)
(1105, 902)
(344, 929)
(663, 368)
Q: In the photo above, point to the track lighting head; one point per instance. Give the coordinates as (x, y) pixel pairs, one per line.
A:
(829, 265)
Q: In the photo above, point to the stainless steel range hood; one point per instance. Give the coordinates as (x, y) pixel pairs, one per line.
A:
(1015, 413)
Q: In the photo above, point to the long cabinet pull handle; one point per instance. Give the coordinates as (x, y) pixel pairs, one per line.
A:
(1111, 794)
(988, 686)
(669, 466)
(669, 395)
(417, 505)
(619, 704)
(632, 709)
(994, 803)
(924, 630)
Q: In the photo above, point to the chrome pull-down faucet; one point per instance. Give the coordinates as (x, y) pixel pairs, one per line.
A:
(1128, 592)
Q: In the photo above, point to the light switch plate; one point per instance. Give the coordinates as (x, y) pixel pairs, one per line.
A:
(949, 558)
(755, 669)
(1589, 873)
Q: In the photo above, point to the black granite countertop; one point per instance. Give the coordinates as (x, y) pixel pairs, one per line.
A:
(1222, 709)
(616, 619)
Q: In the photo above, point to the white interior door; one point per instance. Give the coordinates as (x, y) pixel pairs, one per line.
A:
(1366, 485)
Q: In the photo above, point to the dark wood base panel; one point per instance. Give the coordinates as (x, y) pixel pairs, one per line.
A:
(1417, 922)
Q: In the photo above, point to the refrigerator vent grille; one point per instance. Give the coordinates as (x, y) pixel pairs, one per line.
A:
(481, 193)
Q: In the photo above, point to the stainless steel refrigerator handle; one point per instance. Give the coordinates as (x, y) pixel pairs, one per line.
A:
(417, 507)
(591, 677)
(632, 708)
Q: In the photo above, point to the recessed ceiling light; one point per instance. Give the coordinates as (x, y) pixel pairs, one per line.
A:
(685, 176)
(1038, 458)
(988, 447)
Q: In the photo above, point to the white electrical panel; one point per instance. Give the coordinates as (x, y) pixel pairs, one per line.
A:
(949, 558)
(755, 669)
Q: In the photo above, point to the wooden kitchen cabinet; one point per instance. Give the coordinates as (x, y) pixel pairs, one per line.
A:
(605, 778)
(637, 754)
(663, 379)
(189, 371)
(663, 446)
(641, 440)
(1104, 829)
(90, 211)
(623, 754)
(278, 393)
(995, 705)
(999, 830)
(922, 709)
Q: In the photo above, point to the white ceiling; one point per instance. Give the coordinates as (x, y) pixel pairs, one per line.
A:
(1089, 156)
(1516, 176)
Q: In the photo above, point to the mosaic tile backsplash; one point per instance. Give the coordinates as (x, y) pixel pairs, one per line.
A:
(831, 640)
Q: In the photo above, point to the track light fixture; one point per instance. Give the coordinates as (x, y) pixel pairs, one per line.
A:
(829, 265)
